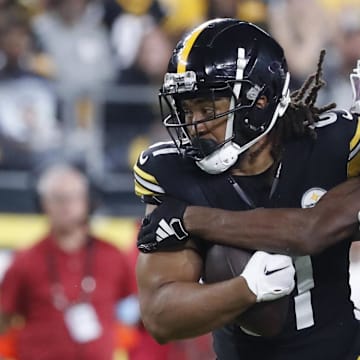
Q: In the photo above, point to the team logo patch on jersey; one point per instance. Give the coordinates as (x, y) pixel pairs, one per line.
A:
(311, 197)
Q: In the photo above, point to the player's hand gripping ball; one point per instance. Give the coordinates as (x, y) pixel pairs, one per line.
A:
(269, 277)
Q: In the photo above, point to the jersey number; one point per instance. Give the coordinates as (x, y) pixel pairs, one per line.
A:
(305, 282)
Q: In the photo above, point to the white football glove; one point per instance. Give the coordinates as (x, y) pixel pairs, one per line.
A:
(268, 276)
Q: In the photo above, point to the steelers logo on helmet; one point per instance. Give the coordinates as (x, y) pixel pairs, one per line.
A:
(224, 58)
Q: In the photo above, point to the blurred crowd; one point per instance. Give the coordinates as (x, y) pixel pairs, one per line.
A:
(79, 78)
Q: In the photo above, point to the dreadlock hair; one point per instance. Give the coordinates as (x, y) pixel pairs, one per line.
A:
(302, 114)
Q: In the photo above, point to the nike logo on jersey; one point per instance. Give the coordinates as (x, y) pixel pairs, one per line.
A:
(174, 228)
(269, 272)
(143, 159)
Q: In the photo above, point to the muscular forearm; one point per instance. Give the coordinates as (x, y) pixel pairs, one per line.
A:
(281, 232)
(181, 310)
(289, 231)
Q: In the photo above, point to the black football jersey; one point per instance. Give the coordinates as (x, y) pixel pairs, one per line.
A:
(320, 322)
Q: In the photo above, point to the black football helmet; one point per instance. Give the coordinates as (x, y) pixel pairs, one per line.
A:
(232, 58)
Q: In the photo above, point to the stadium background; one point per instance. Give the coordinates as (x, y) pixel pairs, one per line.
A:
(85, 91)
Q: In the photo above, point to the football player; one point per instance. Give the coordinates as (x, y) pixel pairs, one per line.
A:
(242, 143)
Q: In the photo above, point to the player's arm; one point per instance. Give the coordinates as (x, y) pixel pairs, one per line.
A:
(174, 305)
(172, 300)
(290, 231)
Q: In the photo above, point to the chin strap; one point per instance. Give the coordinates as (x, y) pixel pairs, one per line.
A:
(226, 156)
(221, 159)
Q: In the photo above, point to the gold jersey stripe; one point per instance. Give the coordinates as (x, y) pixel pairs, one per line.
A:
(146, 176)
(353, 166)
(188, 44)
(356, 138)
(140, 190)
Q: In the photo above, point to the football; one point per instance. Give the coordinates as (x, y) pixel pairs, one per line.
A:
(265, 318)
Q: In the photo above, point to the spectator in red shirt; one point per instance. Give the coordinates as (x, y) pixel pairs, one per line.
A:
(67, 285)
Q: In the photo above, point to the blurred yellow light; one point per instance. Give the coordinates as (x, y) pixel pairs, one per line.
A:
(20, 230)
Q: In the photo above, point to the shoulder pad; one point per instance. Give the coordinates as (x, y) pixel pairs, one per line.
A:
(149, 168)
(338, 128)
(343, 134)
